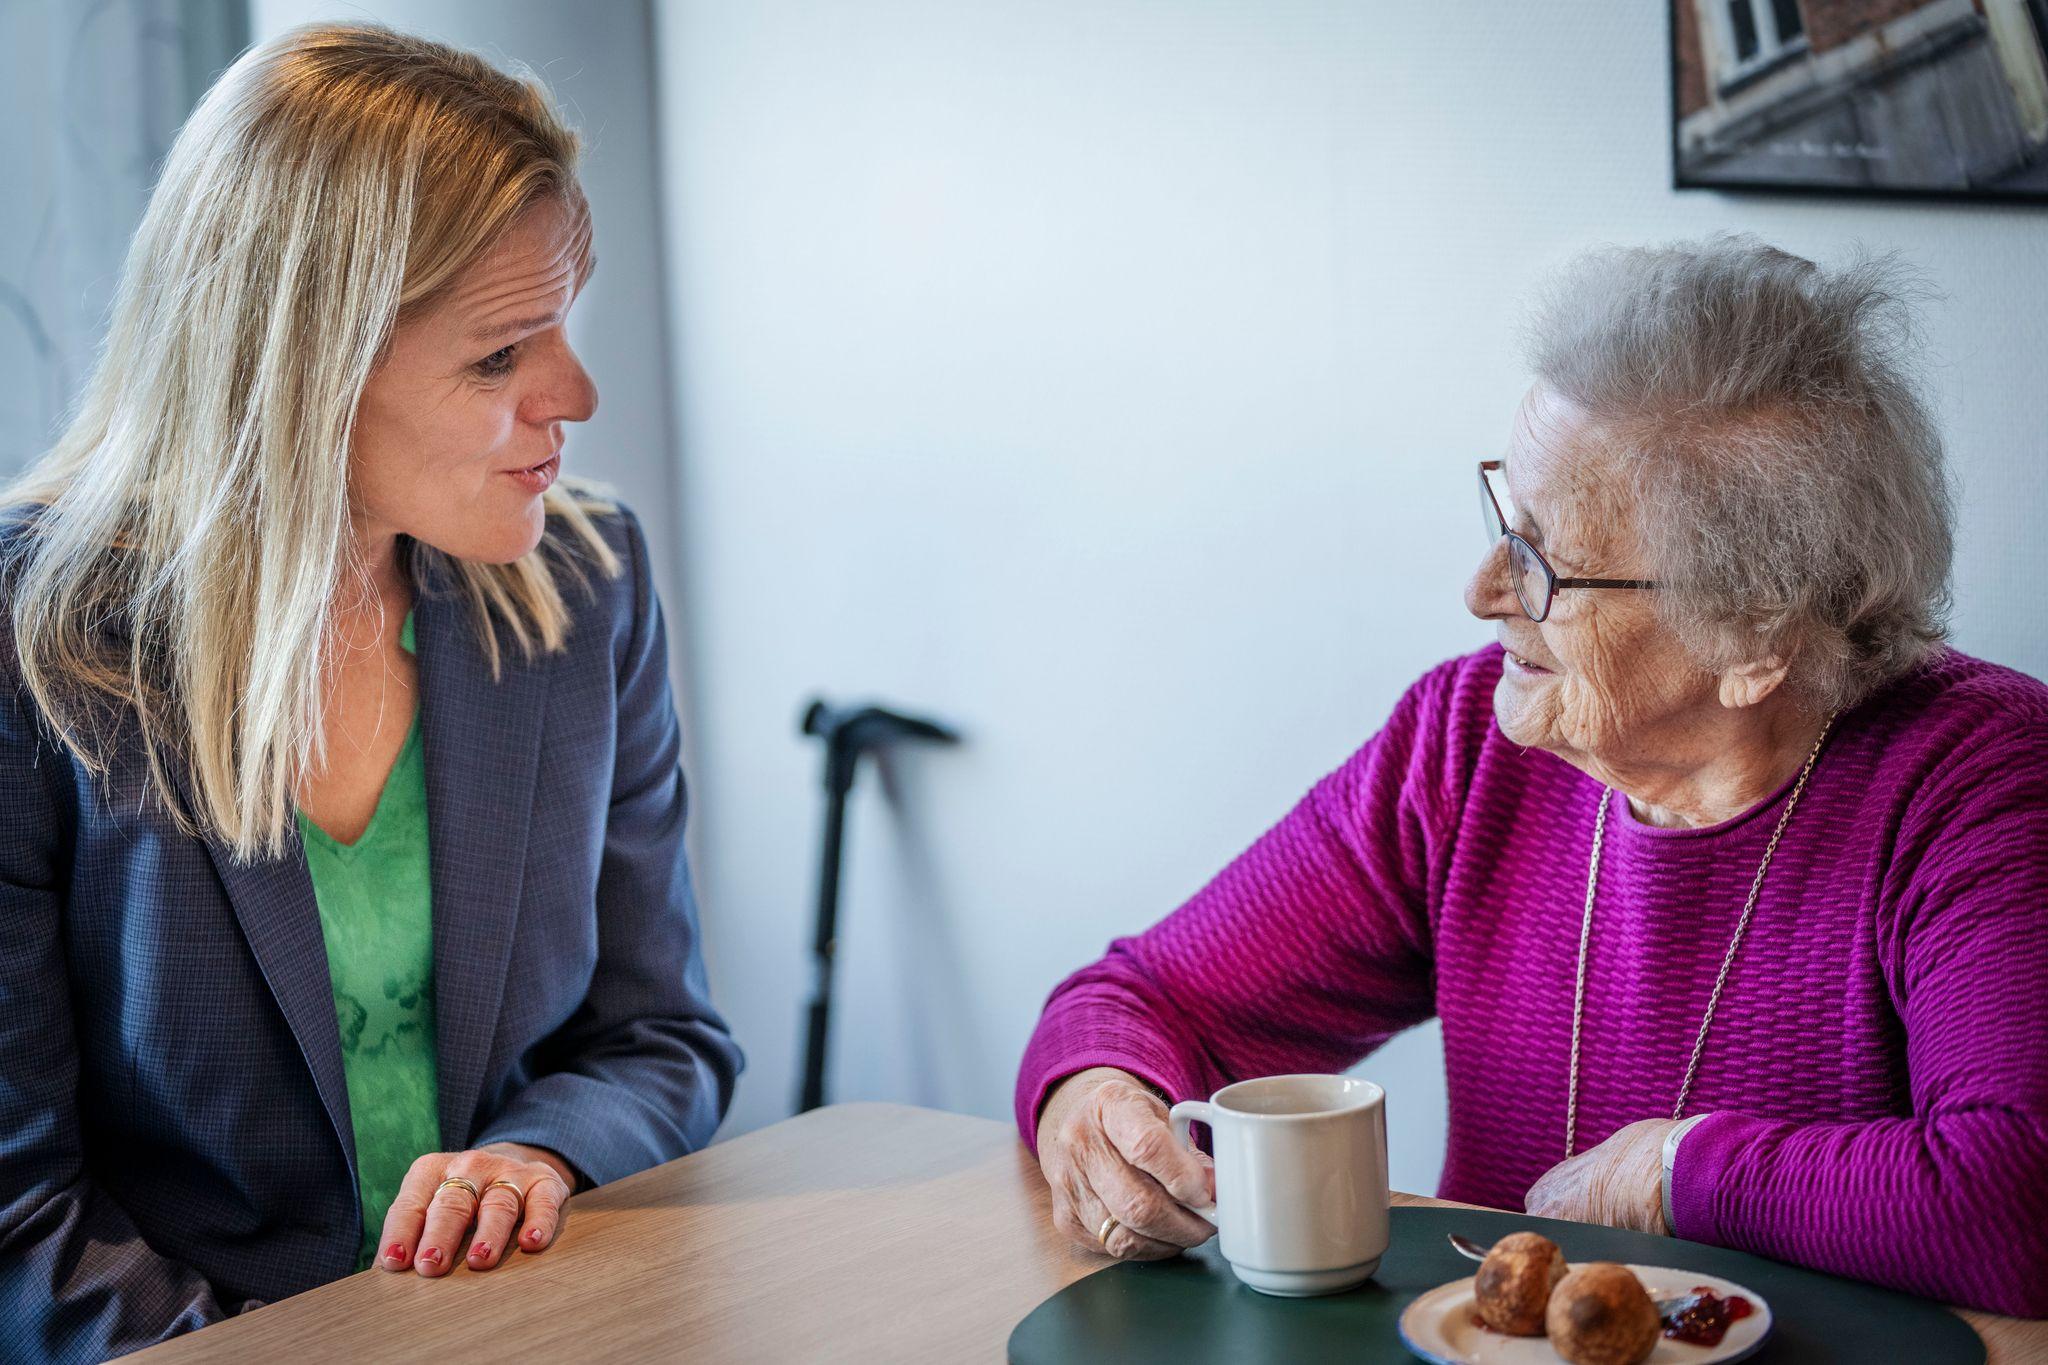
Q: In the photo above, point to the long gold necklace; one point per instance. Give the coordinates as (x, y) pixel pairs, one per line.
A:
(1571, 1113)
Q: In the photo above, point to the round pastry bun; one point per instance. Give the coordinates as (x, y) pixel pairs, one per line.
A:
(1600, 1314)
(1514, 1283)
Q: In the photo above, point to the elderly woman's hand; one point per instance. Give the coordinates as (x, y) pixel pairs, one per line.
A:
(1619, 1183)
(1107, 1152)
(428, 1220)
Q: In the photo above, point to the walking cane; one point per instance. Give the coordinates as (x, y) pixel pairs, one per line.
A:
(847, 735)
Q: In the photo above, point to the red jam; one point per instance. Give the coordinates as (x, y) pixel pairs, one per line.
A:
(1705, 1318)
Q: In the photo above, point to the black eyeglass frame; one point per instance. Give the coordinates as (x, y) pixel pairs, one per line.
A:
(1498, 525)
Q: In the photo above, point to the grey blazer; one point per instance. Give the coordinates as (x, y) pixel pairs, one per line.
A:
(175, 1140)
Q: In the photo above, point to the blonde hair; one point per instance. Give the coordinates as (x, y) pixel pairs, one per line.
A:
(331, 183)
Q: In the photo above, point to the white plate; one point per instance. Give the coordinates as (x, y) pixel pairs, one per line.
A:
(1438, 1326)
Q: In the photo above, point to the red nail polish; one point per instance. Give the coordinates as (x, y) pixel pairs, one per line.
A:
(533, 1236)
(431, 1255)
(395, 1252)
(480, 1251)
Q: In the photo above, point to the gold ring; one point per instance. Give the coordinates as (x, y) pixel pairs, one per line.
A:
(460, 1183)
(517, 1193)
(1109, 1225)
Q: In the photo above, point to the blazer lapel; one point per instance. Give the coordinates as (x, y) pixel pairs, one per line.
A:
(273, 901)
(482, 751)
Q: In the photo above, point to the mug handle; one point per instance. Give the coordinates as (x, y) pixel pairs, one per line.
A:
(1183, 1114)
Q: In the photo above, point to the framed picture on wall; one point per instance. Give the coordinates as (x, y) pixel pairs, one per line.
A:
(1934, 98)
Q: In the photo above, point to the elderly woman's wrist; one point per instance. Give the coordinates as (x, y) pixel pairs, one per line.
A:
(1073, 1089)
(1668, 1166)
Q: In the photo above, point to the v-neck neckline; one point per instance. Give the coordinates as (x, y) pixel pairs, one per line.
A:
(310, 828)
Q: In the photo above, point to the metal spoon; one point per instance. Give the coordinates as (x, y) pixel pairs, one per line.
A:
(1465, 1246)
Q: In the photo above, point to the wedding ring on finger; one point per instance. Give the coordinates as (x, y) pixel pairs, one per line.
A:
(1109, 1225)
(476, 1195)
(502, 1183)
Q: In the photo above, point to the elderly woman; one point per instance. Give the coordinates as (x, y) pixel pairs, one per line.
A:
(1728, 881)
(344, 916)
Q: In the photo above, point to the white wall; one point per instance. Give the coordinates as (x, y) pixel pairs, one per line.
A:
(90, 97)
(1106, 376)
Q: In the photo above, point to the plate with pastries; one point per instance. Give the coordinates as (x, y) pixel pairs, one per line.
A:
(1528, 1305)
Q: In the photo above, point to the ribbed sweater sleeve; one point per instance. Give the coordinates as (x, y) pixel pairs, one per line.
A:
(1952, 1201)
(1304, 954)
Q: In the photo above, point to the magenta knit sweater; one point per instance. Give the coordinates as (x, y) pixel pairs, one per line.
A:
(1877, 1073)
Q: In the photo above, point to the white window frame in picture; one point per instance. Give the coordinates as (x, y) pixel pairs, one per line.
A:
(1773, 47)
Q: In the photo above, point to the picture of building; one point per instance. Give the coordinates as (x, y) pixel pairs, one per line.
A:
(1888, 96)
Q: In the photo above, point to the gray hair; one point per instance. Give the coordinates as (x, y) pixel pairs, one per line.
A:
(1788, 481)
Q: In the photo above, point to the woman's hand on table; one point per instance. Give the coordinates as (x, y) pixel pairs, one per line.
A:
(1107, 1152)
(428, 1221)
(1618, 1183)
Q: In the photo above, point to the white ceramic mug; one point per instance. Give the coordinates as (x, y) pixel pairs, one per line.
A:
(1301, 1180)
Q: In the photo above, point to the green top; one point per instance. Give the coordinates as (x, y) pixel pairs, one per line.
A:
(376, 912)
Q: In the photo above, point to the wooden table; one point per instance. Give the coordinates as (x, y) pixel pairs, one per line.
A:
(855, 1233)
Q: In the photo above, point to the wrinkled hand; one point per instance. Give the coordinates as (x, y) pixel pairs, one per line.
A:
(427, 1223)
(1107, 1151)
(1619, 1183)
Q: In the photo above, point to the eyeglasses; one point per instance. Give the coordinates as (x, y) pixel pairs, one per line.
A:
(1535, 581)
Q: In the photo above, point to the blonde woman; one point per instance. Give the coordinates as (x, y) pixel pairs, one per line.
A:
(344, 916)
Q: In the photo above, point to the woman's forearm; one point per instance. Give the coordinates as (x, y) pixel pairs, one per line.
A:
(1954, 1207)
(1107, 1015)
(632, 1096)
(1303, 954)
